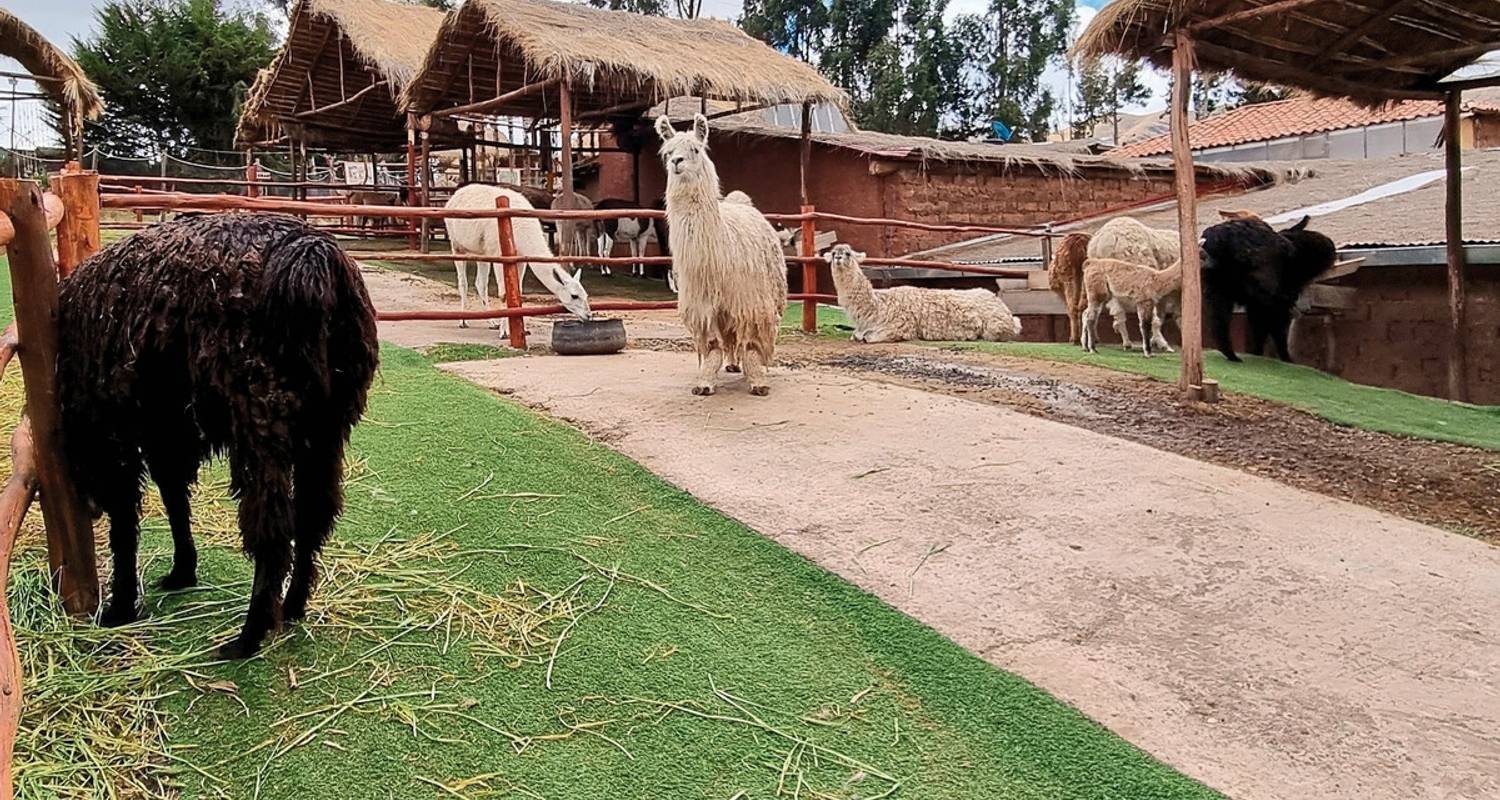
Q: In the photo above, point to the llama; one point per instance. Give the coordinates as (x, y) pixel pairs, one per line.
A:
(1116, 283)
(1129, 240)
(575, 237)
(482, 237)
(1248, 262)
(633, 230)
(910, 312)
(730, 270)
(1065, 277)
(245, 334)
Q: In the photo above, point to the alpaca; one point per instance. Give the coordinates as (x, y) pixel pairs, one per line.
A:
(1248, 262)
(1116, 283)
(242, 334)
(910, 312)
(482, 237)
(633, 230)
(575, 237)
(1129, 240)
(1065, 276)
(729, 266)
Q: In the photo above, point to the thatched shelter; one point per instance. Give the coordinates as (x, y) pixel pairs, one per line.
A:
(1369, 51)
(58, 76)
(335, 80)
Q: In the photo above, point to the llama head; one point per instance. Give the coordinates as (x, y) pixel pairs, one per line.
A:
(844, 257)
(570, 292)
(684, 154)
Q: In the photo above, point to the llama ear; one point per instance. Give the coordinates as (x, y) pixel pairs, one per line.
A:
(1301, 224)
(700, 127)
(664, 127)
(578, 276)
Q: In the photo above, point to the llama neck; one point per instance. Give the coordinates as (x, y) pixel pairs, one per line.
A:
(544, 273)
(1167, 281)
(856, 295)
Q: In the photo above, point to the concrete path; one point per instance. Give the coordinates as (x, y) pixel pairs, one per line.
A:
(1270, 642)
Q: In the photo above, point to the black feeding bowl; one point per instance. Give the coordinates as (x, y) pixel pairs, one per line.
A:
(595, 337)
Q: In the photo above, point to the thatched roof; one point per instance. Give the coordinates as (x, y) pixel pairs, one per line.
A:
(343, 47)
(1370, 50)
(58, 76)
(1062, 159)
(608, 58)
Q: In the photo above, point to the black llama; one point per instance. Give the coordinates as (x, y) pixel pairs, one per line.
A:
(249, 335)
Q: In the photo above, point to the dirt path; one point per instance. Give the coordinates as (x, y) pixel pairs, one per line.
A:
(1272, 642)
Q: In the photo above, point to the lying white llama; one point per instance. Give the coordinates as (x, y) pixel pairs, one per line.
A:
(731, 276)
(1130, 240)
(1121, 284)
(911, 312)
(482, 237)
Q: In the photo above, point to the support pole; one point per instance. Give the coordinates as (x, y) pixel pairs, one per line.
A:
(809, 247)
(70, 533)
(411, 177)
(565, 126)
(426, 171)
(511, 274)
(806, 149)
(1453, 217)
(1190, 379)
(252, 179)
(78, 233)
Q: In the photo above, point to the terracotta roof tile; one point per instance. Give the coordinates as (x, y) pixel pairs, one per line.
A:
(1296, 116)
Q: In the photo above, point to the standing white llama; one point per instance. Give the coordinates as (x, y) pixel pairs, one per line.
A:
(731, 274)
(912, 312)
(482, 237)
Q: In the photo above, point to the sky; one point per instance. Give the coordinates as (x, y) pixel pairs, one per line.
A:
(63, 20)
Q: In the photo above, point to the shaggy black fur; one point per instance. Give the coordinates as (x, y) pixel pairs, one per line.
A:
(245, 334)
(1248, 262)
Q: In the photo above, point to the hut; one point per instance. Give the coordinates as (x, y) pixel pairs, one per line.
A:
(1371, 52)
(584, 67)
(57, 76)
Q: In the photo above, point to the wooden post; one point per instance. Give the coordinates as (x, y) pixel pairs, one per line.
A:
(411, 177)
(252, 176)
(78, 233)
(70, 533)
(1458, 348)
(1190, 379)
(806, 149)
(809, 271)
(511, 274)
(426, 173)
(565, 127)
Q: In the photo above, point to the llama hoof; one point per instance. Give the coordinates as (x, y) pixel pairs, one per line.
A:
(731, 367)
(294, 609)
(760, 391)
(175, 580)
(495, 325)
(463, 323)
(117, 614)
(235, 649)
(703, 391)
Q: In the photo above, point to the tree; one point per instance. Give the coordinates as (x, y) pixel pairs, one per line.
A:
(655, 8)
(173, 73)
(1107, 86)
(1211, 94)
(1249, 94)
(912, 78)
(1024, 37)
(795, 27)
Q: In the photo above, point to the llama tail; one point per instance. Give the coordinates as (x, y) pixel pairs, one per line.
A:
(322, 317)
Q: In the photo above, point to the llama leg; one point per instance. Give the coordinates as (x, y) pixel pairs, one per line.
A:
(1090, 328)
(174, 477)
(482, 272)
(735, 357)
(708, 368)
(462, 267)
(672, 280)
(1070, 302)
(1118, 322)
(1144, 314)
(756, 371)
(606, 247)
(124, 538)
(318, 500)
(265, 490)
(1159, 339)
(1219, 308)
(1281, 328)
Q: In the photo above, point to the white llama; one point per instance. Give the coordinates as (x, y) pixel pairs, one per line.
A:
(911, 312)
(482, 237)
(1130, 240)
(731, 274)
(1121, 283)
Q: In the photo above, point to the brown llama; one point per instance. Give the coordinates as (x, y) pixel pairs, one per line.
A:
(1065, 276)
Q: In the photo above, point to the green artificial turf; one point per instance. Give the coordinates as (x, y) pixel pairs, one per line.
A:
(444, 352)
(1335, 399)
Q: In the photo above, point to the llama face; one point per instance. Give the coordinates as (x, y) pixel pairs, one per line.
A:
(844, 257)
(570, 292)
(684, 154)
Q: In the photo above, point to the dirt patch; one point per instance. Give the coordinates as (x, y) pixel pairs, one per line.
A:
(1448, 485)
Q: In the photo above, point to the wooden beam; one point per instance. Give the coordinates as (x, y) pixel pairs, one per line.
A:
(1191, 374)
(614, 110)
(497, 102)
(1467, 84)
(1255, 12)
(565, 127)
(354, 98)
(1442, 56)
(806, 160)
(1255, 68)
(1458, 347)
(1358, 32)
(70, 532)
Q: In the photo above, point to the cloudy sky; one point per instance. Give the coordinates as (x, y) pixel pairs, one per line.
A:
(63, 20)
